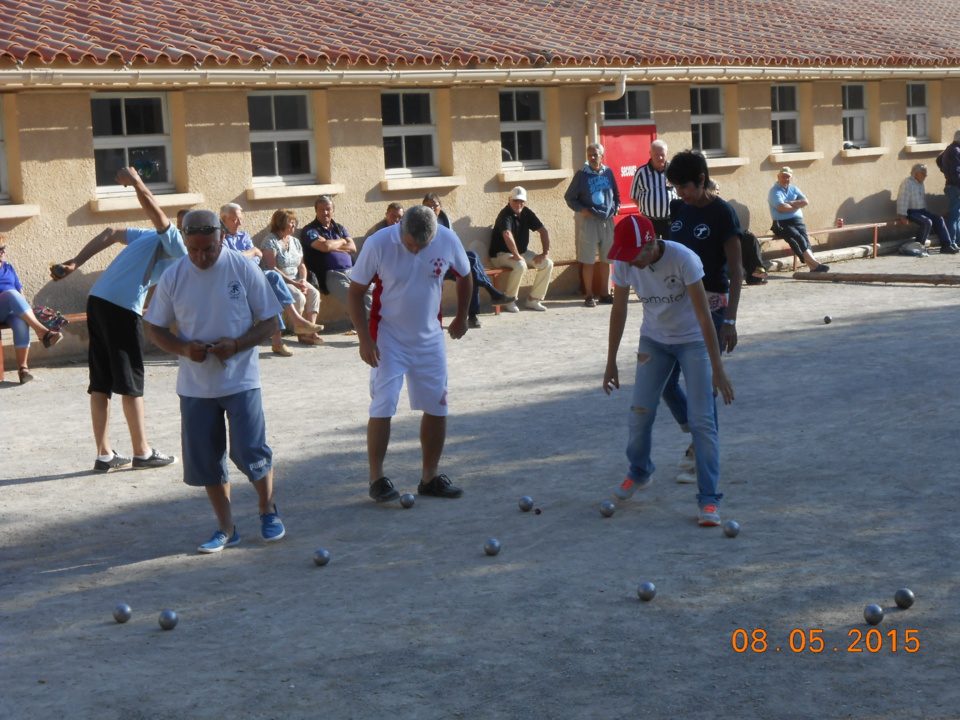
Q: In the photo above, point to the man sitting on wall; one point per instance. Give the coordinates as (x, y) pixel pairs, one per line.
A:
(912, 208)
(786, 207)
(509, 249)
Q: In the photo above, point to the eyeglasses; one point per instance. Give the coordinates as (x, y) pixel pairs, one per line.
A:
(200, 230)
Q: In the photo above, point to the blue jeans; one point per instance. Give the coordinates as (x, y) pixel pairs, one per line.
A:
(12, 306)
(652, 376)
(673, 394)
(927, 221)
(953, 214)
(480, 280)
(279, 287)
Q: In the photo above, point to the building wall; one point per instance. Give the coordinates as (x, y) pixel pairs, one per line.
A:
(50, 133)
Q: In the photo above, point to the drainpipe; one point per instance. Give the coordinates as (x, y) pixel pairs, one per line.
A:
(593, 106)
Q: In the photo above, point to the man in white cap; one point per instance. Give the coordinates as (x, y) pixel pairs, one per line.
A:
(786, 207)
(509, 248)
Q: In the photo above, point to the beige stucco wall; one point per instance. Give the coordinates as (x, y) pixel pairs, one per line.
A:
(50, 133)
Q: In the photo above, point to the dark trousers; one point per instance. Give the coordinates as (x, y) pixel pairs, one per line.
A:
(928, 221)
(794, 232)
(480, 280)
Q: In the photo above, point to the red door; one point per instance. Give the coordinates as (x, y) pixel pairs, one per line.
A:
(626, 147)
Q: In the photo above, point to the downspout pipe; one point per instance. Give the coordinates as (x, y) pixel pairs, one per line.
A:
(593, 107)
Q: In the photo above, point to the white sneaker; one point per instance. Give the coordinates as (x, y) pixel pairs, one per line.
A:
(689, 460)
(535, 305)
(512, 307)
(687, 477)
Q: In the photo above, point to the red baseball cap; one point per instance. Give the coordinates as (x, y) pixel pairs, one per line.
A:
(629, 237)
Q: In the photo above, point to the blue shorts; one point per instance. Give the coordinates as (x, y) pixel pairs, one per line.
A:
(204, 438)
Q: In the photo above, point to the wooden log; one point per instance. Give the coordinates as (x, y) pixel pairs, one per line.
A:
(879, 277)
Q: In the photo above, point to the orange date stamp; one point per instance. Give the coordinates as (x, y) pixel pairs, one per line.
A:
(798, 641)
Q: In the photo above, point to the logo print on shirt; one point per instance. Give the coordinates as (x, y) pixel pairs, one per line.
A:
(674, 283)
(677, 226)
(701, 231)
(233, 288)
(438, 266)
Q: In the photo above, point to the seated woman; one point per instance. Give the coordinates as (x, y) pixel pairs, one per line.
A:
(283, 252)
(18, 315)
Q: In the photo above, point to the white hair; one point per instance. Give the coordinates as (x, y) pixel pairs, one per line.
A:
(598, 146)
(229, 208)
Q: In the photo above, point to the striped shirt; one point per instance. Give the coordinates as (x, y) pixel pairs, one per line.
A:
(651, 191)
(912, 196)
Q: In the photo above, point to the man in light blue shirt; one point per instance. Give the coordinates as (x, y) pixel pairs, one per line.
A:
(786, 208)
(114, 310)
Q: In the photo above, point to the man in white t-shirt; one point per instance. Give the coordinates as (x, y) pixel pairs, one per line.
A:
(223, 308)
(407, 262)
(676, 328)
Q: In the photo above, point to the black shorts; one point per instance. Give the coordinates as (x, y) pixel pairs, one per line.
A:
(115, 354)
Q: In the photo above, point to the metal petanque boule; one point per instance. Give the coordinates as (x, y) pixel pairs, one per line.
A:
(526, 503)
(407, 500)
(122, 613)
(321, 557)
(731, 528)
(873, 614)
(607, 509)
(646, 591)
(904, 598)
(492, 546)
(168, 619)
(827, 319)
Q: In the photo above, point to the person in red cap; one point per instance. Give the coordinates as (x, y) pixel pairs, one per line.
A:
(676, 329)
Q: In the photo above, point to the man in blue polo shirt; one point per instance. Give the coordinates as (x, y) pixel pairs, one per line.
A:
(786, 207)
(114, 310)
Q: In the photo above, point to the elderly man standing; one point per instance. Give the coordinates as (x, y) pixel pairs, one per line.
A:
(786, 207)
(594, 196)
(509, 249)
(651, 191)
(912, 207)
(405, 338)
(114, 310)
(223, 308)
(238, 239)
(328, 251)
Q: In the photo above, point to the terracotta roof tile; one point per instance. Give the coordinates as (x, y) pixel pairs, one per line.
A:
(517, 32)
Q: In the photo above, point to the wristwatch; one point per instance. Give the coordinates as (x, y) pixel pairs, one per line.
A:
(729, 322)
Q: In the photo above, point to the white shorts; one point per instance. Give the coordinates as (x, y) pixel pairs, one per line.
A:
(426, 375)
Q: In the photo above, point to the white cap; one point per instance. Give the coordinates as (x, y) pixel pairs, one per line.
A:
(518, 193)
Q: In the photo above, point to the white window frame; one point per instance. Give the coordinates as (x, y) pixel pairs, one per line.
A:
(275, 136)
(421, 129)
(125, 141)
(855, 118)
(710, 119)
(918, 116)
(777, 116)
(4, 178)
(541, 163)
(640, 119)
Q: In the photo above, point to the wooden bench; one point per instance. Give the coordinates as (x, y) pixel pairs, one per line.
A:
(75, 318)
(846, 228)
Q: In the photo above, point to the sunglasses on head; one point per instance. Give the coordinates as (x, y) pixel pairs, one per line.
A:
(200, 230)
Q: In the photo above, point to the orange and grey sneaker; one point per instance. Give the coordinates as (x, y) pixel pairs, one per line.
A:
(628, 487)
(709, 516)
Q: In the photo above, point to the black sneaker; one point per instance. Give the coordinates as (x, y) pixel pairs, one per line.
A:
(499, 298)
(156, 460)
(383, 491)
(440, 486)
(117, 461)
(821, 268)
(949, 249)
(606, 299)
(473, 322)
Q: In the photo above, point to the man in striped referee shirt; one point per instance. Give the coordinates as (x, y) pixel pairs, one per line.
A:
(651, 191)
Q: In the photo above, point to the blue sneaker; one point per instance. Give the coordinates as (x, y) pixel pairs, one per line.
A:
(271, 527)
(219, 541)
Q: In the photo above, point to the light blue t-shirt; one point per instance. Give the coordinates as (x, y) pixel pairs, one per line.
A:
(779, 195)
(139, 266)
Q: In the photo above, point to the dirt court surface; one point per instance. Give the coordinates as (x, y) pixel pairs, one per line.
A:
(839, 461)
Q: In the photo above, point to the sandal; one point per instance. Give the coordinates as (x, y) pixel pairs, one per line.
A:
(51, 338)
(282, 350)
(310, 340)
(25, 375)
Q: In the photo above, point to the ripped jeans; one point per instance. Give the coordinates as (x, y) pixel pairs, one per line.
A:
(655, 361)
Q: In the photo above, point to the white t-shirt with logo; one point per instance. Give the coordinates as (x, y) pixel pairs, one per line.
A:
(222, 301)
(668, 315)
(408, 287)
